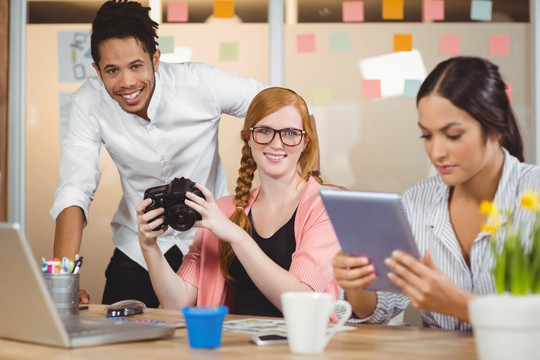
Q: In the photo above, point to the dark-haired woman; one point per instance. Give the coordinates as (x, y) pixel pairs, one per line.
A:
(259, 243)
(471, 137)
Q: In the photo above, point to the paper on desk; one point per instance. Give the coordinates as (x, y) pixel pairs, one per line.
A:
(176, 324)
(259, 327)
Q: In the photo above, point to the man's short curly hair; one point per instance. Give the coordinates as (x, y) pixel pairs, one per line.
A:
(122, 19)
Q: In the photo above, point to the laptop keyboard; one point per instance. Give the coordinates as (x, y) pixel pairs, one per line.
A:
(77, 327)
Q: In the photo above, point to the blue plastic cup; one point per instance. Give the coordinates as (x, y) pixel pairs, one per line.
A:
(204, 325)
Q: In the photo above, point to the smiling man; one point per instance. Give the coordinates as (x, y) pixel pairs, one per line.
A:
(158, 121)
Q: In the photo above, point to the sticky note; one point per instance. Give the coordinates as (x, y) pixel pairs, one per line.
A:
(392, 10)
(339, 42)
(223, 8)
(481, 10)
(177, 11)
(305, 43)
(450, 44)
(166, 44)
(411, 87)
(371, 89)
(509, 91)
(322, 96)
(392, 69)
(402, 42)
(433, 10)
(352, 11)
(228, 51)
(499, 45)
(180, 54)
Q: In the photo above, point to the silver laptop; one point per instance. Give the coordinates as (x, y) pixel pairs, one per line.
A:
(371, 224)
(27, 312)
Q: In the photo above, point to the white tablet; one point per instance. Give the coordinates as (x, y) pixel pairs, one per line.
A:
(371, 224)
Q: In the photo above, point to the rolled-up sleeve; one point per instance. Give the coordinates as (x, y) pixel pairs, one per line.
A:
(79, 173)
(389, 305)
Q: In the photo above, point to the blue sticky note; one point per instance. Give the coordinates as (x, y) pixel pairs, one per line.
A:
(339, 42)
(166, 44)
(411, 87)
(481, 10)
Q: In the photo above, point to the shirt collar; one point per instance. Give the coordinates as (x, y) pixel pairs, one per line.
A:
(438, 206)
(504, 196)
(156, 98)
(507, 190)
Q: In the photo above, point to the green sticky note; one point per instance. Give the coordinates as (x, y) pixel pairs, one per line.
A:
(322, 96)
(339, 42)
(166, 44)
(228, 51)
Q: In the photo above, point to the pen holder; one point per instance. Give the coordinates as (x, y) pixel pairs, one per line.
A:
(64, 290)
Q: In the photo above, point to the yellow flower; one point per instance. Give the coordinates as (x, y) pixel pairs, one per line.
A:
(494, 221)
(489, 209)
(491, 228)
(531, 200)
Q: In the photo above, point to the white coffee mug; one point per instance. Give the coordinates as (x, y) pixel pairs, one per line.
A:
(307, 315)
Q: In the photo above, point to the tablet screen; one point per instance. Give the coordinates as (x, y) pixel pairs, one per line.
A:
(370, 224)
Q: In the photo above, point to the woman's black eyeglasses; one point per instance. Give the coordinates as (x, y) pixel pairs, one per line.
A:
(289, 136)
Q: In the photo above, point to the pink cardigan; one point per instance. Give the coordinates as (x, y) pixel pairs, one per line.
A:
(316, 245)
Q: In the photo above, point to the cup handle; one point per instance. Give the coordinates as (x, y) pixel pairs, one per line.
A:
(346, 315)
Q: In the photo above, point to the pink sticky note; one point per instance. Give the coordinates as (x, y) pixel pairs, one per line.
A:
(433, 10)
(177, 11)
(450, 44)
(371, 89)
(509, 91)
(499, 45)
(305, 43)
(353, 11)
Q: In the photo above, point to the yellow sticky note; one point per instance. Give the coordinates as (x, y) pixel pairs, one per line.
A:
(224, 8)
(402, 42)
(322, 96)
(228, 51)
(392, 10)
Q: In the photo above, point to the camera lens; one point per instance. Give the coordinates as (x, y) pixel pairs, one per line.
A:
(181, 217)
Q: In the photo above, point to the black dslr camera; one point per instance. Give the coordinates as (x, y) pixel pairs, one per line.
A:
(171, 197)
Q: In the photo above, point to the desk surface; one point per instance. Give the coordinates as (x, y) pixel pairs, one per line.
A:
(366, 342)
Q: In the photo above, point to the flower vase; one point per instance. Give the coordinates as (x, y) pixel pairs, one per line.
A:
(506, 326)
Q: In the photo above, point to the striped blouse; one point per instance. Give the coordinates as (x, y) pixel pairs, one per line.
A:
(426, 205)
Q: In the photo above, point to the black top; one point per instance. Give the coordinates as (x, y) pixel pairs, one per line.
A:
(279, 247)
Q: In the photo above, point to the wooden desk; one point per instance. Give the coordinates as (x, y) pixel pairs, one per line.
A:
(366, 342)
